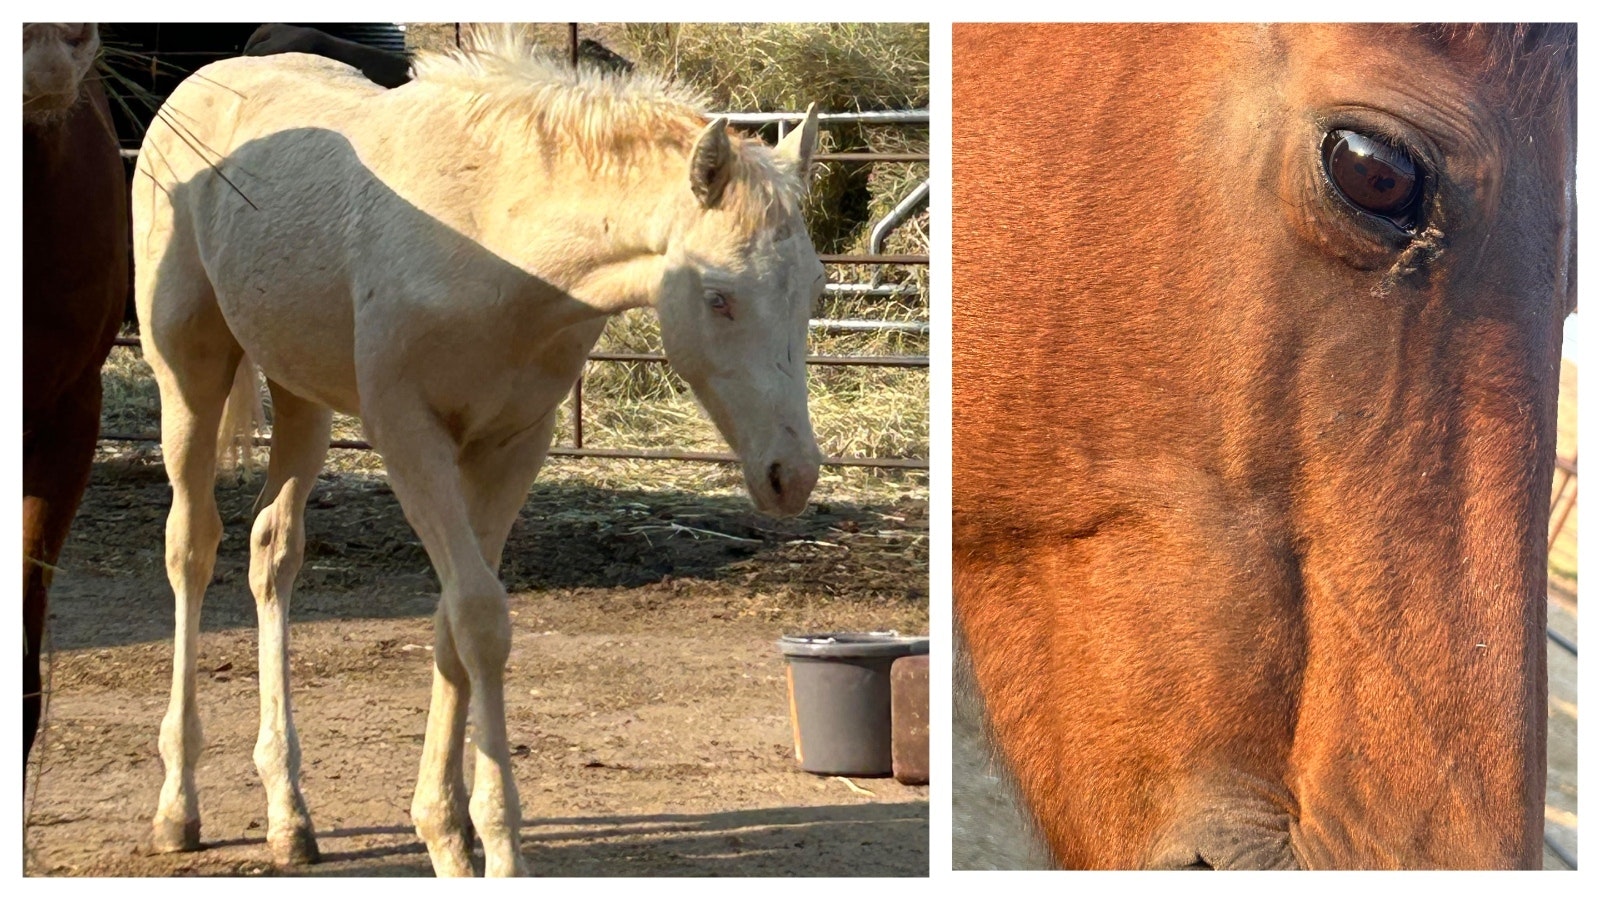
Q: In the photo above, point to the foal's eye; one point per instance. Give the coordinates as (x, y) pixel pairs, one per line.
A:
(720, 303)
(1374, 177)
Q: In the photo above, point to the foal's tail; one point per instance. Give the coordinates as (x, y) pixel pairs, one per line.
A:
(242, 416)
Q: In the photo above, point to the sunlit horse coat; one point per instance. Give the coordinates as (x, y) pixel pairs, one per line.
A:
(1253, 432)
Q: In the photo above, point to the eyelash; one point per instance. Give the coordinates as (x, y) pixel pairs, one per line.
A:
(720, 304)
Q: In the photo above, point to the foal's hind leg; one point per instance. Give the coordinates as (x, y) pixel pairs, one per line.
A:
(495, 481)
(300, 431)
(193, 391)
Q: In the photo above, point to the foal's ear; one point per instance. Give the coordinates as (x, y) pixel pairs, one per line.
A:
(711, 163)
(800, 145)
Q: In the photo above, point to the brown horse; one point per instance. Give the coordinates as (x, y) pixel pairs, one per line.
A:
(74, 279)
(1256, 335)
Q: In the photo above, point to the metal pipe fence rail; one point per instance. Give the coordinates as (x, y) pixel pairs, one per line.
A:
(1563, 500)
(577, 448)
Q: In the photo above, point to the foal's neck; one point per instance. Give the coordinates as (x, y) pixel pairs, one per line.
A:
(605, 243)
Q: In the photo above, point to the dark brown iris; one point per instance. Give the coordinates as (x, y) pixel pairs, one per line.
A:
(1375, 177)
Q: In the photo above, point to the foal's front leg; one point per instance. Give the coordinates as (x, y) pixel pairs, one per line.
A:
(439, 806)
(495, 480)
(422, 465)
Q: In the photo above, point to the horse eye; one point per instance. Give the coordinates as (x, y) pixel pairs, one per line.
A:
(1373, 176)
(719, 302)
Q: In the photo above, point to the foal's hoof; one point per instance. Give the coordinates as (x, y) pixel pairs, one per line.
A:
(294, 848)
(173, 836)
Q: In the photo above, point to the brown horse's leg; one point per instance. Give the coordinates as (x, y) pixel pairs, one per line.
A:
(300, 431)
(58, 447)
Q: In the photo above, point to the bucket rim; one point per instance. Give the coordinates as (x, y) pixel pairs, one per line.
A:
(852, 644)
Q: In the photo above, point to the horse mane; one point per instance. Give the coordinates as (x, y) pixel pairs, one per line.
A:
(610, 121)
(1537, 64)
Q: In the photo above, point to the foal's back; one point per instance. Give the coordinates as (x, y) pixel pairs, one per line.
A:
(266, 190)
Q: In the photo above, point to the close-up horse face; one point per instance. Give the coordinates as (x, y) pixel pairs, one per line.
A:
(1267, 519)
(734, 319)
(55, 59)
(1424, 272)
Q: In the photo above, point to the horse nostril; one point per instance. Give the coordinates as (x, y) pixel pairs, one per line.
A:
(773, 478)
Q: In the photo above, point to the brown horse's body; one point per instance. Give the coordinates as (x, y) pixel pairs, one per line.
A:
(1249, 485)
(74, 274)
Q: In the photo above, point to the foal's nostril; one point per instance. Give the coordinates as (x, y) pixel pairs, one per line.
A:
(774, 478)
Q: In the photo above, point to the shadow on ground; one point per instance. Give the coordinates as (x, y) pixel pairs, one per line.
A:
(781, 841)
(571, 536)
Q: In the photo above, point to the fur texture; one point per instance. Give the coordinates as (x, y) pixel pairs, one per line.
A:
(1249, 489)
(74, 279)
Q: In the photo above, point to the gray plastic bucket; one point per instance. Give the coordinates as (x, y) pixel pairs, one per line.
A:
(839, 699)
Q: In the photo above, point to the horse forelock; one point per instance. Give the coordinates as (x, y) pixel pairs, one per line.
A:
(1534, 64)
(764, 191)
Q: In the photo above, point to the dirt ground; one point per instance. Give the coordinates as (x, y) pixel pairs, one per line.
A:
(646, 699)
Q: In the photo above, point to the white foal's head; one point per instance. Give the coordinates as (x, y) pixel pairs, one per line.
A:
(55, 59)
(735, 310)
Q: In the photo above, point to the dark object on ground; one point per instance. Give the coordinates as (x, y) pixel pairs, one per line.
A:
(839, 699)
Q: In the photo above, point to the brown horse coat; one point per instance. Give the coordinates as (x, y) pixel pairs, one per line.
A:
(1249, 484)
(74, 279)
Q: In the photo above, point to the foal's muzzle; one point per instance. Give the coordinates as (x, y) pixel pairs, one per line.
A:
(782, 486)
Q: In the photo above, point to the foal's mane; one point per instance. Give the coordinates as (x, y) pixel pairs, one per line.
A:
(610, 121)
